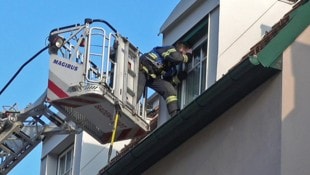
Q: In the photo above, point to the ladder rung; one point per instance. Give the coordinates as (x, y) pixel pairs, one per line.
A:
(7, 149)
(22, 135)
(96, 54)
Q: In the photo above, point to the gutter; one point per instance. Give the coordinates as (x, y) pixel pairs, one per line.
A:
(252, 71)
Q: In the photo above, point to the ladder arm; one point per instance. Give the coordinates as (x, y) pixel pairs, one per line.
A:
(22, 131)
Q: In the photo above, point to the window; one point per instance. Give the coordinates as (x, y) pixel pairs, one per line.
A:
(195, 82)
(196, 70)
(65, 162)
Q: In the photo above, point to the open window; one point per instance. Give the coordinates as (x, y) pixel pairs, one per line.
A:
(201, 71)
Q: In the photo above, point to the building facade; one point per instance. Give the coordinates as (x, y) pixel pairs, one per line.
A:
(265, 133)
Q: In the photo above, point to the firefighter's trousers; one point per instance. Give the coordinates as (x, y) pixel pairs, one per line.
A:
(163, 87)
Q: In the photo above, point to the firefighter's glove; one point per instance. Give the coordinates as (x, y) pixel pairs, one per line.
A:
(178, 78)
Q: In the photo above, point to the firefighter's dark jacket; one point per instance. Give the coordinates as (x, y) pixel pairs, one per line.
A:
(162, 61)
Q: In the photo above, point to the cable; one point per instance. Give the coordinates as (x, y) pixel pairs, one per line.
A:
(14, 76)
(105, 22)
(43, 49)
(249, 27)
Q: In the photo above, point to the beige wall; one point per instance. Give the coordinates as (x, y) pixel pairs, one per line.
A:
(295, 138)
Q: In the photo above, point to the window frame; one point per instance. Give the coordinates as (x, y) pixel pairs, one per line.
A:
(64, 154)
(202, 63)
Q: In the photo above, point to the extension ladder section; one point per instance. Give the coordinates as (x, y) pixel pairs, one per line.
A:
(22, 131)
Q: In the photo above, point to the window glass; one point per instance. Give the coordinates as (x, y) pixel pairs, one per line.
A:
(65, 162)
(195, 83)
(68, 162)
(62, 164)
(196, 57)
(196, 79)
(192, 90)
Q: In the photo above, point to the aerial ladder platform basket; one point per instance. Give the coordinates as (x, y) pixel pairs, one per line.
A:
(93, 75)
(92, 86)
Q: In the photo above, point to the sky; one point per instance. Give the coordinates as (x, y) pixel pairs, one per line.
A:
(25, 26)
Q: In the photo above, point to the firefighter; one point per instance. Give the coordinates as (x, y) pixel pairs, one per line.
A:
(158, 71)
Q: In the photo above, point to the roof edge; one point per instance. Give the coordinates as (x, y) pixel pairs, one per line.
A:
(291, 25)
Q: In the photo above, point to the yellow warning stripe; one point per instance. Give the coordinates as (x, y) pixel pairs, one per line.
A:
(168, 52)
(171, 98)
